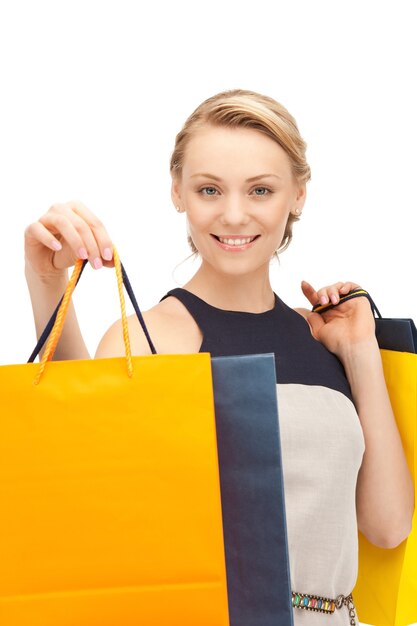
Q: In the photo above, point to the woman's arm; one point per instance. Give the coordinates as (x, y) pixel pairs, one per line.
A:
(385, 491)
(45, 295)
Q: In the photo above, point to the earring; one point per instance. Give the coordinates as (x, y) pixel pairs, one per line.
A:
(297, 211)
(178, 209)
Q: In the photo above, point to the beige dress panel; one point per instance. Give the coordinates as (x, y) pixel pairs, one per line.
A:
(322, 448)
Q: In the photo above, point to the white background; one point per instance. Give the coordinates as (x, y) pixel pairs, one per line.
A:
(93, 94)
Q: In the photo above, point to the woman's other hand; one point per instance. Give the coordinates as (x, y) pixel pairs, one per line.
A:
(65, 233)
(345, 327)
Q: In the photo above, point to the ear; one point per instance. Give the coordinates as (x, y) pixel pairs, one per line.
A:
(176, 192)
(300, 197)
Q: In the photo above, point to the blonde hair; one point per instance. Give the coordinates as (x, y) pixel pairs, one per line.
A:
(247, 109)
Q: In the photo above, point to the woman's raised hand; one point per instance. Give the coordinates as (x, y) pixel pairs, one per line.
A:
(345, 327)
(65, 233)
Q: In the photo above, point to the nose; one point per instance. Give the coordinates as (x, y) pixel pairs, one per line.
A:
(234, 211)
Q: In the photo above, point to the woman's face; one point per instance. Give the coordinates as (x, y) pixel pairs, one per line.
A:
(236, 185)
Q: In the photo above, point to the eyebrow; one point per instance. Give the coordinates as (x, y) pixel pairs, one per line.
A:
(248, 180)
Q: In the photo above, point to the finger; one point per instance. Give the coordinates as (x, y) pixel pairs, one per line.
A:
(337, 290)
(345, 288)
(309, 292)
(101, 235)
(86, 246)
(348, 287)
(91, 249)
(59, 223)
(329, 293)
(334, 292)
(37, 233)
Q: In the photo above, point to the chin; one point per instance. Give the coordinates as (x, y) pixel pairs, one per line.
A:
(237, 267)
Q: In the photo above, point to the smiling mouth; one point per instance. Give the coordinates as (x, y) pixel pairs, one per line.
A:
(235, 241)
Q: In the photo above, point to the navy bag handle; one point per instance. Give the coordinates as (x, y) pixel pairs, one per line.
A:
(48, 328)
(398, 334)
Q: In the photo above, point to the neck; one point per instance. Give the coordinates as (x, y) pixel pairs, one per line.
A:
(250, 293)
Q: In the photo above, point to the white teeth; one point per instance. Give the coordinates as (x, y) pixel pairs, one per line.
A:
(236, 242)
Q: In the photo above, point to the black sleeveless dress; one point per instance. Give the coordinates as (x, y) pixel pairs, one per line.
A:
(322, 442)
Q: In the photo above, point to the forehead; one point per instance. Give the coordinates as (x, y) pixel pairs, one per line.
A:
(214, 148)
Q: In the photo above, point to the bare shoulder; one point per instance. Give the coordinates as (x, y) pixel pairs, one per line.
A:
(170, 326)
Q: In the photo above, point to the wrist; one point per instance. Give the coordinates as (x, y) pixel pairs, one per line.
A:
(361, 358)
(359, 350)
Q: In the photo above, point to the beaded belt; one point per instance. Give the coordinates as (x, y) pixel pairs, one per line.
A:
(324, 605)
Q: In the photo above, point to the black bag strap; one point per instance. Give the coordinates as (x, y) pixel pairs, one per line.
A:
(392, 334)
(48, 328)
(354, 293)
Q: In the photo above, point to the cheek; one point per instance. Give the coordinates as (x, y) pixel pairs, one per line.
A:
(198, 224)
(199, 217)
(276, 221)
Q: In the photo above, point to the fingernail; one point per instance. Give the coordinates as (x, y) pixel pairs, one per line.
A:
(82, 253)
(323, 300)
(56, 245)
(334, 298)
(107, 254)
(97, 263)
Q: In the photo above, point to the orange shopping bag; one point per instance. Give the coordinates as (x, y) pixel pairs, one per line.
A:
(110, 509)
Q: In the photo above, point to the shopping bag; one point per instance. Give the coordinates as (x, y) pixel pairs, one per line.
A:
(253, 510)
(252, 490)
(110, 509)
(386, 589)
(252, 487)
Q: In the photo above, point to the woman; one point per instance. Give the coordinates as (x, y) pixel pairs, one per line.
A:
(239, 174)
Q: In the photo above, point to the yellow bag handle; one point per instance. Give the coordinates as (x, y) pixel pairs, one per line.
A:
(63, 309)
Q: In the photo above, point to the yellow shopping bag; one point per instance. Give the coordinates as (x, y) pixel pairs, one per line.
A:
(110, 509)
(386, 588)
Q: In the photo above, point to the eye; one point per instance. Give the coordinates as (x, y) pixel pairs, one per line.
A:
(263, 191)
(211, 191)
